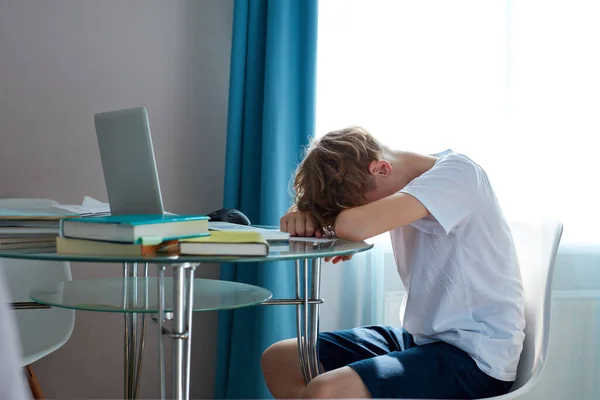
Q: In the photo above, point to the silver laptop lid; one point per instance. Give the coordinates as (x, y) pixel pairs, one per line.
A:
(128, 162)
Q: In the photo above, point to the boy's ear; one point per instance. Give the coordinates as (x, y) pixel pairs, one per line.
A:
(380, 167)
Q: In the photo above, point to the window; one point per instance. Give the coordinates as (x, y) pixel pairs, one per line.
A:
(513, 84)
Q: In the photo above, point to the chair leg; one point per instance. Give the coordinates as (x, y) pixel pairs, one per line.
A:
(34, 384)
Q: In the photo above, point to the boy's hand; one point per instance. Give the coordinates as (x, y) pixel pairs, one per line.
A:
(299, 223)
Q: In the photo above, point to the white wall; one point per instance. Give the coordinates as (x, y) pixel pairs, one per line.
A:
(61, 61)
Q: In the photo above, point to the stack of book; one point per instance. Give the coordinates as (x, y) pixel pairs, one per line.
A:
(129, 235)
(151, 235)
(35, 228)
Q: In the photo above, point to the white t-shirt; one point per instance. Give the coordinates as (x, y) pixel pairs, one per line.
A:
(459, 268)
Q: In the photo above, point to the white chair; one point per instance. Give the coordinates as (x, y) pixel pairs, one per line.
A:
(41, 331)
(537, 245)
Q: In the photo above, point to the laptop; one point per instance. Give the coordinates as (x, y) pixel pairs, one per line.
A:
(130, 172)
(128, 162)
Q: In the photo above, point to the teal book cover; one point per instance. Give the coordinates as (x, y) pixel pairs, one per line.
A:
(143, 219)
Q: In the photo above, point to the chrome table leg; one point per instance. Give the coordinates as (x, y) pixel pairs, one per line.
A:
(134, 338)
(307, 317)
(181, 328)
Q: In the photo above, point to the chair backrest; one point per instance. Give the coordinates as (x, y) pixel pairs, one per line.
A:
(537, 245)
(40, 331)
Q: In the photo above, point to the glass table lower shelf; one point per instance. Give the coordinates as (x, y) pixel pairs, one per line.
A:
(140, 295)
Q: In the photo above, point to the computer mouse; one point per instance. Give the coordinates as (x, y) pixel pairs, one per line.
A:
(230, 215)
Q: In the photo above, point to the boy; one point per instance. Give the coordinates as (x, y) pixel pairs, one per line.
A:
(463, 313)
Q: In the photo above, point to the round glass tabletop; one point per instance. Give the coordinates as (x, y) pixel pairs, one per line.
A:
(305, 248)
(140, 295)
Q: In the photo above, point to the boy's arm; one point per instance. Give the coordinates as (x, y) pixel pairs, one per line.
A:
(380, 216)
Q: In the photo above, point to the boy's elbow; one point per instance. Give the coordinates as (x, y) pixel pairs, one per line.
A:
(346, 228)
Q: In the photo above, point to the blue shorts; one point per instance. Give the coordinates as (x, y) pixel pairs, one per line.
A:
(391, 365)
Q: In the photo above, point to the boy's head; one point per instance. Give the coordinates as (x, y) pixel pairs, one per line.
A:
(340, 170)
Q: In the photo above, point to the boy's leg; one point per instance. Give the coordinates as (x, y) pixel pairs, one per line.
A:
(281, 367)
(284, 377)
(379, 362)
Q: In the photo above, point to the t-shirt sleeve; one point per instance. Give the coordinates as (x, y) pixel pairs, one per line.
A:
(448, 190)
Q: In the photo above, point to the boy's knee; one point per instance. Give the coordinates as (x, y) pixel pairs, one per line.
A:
(268, 358)
(271, 353)
(273, 358)
(281, 370)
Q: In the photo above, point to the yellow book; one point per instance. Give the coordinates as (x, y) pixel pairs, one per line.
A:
(226, 243)
(93, 247)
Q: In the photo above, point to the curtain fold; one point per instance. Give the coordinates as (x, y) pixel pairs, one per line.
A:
(271, 118)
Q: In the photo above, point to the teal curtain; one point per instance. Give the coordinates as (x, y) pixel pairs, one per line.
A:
(271, 118)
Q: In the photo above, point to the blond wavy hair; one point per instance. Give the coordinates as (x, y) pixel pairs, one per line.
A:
(334, 174)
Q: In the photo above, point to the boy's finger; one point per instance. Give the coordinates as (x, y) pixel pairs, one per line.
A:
(291, 224)
(337, 259)
(300, 226)
(283, 224)
(309, 227)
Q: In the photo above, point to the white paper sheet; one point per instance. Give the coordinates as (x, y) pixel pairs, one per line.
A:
(88, 207)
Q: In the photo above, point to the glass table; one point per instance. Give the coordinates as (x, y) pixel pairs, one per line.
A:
(135, 294)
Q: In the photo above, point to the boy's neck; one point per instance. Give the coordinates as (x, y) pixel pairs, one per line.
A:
(408, 166)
